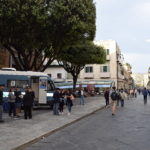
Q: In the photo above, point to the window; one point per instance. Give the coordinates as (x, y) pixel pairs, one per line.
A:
(50, 86)
(107, 51)
(17, 83)
(59, 76)
(105, 68)
(88, 69)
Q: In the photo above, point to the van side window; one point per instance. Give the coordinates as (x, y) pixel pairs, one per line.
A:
(17, 83)
(50, 86)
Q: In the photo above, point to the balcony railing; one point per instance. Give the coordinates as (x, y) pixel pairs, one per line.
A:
(105, 75)
(88, 75)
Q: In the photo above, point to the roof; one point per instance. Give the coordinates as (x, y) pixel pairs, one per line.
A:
(25, 73)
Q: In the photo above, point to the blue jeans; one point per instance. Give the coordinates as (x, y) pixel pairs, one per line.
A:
(69, 107)
(81, 100)
(12, 109)
(1, 112)
(56, 108)
(122, 103)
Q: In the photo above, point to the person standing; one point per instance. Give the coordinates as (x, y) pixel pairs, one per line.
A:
(135, 93)
(114, 97)
(145, 93)
(18, 101)
(118, 97)
(122, 96)
(81, 94)
(61, 104)
(28, 104)
(106, 95)
(56, 100)
(11, 100)
(1, 104)
(69, 102)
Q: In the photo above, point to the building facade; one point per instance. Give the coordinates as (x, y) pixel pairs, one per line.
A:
(113, 70)
(4, 58)
(57, 73)
(141, 80)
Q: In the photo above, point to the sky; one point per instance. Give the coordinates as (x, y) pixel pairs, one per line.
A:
(127, 22)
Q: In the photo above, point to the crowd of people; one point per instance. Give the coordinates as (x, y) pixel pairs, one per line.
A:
(65, 97)
(117, 96)
(15, 101)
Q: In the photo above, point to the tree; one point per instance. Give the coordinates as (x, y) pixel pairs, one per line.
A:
(36, 30)
(74, 58)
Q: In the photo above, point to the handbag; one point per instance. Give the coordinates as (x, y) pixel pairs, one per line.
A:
(72, 97)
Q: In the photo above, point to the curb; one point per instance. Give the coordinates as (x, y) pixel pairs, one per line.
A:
(25, 145)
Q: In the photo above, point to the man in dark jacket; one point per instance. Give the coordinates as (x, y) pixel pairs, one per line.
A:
(106, 95)
(145, 93)
(56, 100)
(1, 104)
(28, 103)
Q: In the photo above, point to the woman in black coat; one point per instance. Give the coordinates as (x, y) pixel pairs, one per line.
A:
(28, 100)
(69, 102)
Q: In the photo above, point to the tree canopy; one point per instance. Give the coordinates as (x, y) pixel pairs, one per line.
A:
(36, 30)
(75, 57)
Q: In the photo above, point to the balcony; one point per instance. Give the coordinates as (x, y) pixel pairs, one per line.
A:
(105, 75)
(108, 57)
(120, 76)
(88, 75)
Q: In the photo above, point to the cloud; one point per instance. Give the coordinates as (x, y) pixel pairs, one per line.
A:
(147, 40)
(142, 9)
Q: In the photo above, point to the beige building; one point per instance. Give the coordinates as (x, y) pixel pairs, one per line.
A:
(113, 70)
(141, 80)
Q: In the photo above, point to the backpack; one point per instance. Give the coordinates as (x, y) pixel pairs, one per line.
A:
(114, 95)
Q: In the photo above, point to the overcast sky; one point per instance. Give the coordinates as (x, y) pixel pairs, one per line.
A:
(127, 22)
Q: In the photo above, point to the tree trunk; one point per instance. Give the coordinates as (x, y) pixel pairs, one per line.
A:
(75, 78)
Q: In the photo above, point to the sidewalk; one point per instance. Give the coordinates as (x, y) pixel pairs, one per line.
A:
(15, 133)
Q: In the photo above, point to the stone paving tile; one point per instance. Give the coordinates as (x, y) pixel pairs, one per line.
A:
(17, 132)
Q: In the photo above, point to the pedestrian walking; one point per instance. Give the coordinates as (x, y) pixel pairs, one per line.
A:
(145, 93)
(139, 91)
(28, 104)
(123, 96)
(56, 101)
(18, 101)
(118, 97)
(11, 100)
(1, 103)
(81, 94)
(106, 95)
(135, 93)
(114, 96)
(69, 101)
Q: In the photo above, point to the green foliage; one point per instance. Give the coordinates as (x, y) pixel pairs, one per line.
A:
(84, 53)
(75, 57)
(33, 30)
(23, 32)
(71, 21)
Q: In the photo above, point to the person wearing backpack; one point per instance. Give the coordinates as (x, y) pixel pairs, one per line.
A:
(114, 97)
